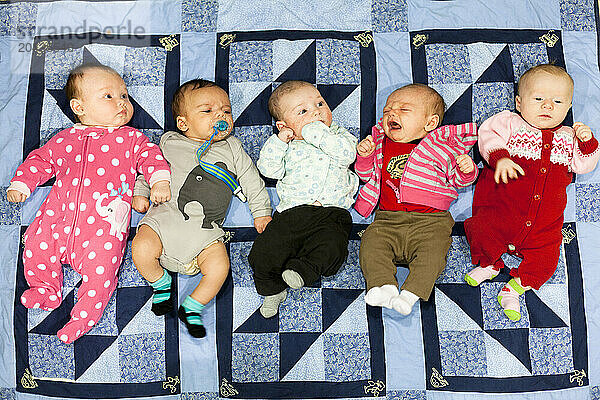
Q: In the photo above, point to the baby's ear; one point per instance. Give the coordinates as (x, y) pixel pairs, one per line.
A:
(76, 107)
(181, 123)
(280, 125)
(432, 122)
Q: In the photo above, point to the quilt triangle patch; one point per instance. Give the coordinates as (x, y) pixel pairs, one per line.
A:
(57, 318)
(466, 297)
(500, 70)
(516, 341)
(61, 101)
(554, 295)
(451, 92)
(256, 323)
(482, 55)
(352, 320)
(113, 56)
(334, 95)
(88, 349)
(540, 315)
(246, 301)
(150, 99)
(145, 321)
(129, 302)
(335, 302)
(346, 113)
(500, 362)
(105, 368)
(450, 316)
(461, 110)
(288, 64)
(249, 102)
(305, 359)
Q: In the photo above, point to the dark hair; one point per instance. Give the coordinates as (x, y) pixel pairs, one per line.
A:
(282, 90)
(177, 104)
(75, 76)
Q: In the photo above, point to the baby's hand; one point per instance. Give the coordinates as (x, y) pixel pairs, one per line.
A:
(465, 163)
(140, 204)
(15, 196)
(260, 223)
(366, 147)
(160, 192)
(507, 168)
(582, 131)
(286, 135)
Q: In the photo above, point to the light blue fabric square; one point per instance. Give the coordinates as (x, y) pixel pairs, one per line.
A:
(50, 358)
(551, 351)
(128, 274)
(241, 272)
(587, 205)
(253, 138)
(142, 357)
(199, 16)
(389, 15)
(144, 66)
(107, 325)
(577, 15)
(199, 396)
(302, 311)
(251, 61)
(198, 54)
(526, 55)
(491, 98)
(463, 353)
(10, 213)
(8, 393)
(255, 357)
(406, 395)
(18, 19)
(349, 275)
(338, 62)
(493, 314)
(448, 63)
(347, 357)
(458, 261)
(58, 64)
(560, 275)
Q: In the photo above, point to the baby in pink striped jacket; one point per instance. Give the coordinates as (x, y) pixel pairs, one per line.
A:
(412, 169)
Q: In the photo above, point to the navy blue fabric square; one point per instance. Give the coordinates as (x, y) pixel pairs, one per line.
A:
(586, 201)
(199, 16)
(463, 353)
(389, 15)
(346, 357)
(49, 357)
(142, 357)
(255, 357)
(577, 15)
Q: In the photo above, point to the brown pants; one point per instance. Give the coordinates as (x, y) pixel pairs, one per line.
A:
(397, 237)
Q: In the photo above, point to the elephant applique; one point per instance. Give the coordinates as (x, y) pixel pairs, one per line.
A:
(212, 193)
(116, 213)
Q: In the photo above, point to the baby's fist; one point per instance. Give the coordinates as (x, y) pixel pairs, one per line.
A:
(15, 196)
(465, 164)
(140, 204)
(366, 147)
(160, 192)
(285, 135)
(582, 131)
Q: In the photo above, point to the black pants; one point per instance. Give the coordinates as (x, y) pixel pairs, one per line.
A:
(310, 240)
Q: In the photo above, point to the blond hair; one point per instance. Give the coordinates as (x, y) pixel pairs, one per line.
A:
(551, 69)
(283, 90)
(434, 103)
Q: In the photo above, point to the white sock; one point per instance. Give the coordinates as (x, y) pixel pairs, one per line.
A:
(292, 279)
(380, 296)
(270, 305)
(404, 302)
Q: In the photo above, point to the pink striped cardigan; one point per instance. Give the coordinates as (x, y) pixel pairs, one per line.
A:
(430, 176)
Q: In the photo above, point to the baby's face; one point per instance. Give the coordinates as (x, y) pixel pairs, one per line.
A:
(103, 101)
(203, 108)
(545, 100)
(405, 116)
(303, 106)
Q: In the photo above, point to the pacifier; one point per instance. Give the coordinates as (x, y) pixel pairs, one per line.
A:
(221, 126)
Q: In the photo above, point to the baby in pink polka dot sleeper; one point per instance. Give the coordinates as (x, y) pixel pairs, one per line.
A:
(84, 221)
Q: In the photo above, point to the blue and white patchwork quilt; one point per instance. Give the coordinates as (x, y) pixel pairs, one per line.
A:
(325, 342)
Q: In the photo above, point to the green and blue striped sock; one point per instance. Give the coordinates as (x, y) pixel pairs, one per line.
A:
(161, 299)
(190, 313)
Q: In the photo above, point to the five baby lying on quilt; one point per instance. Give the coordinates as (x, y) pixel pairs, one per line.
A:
(410, 164)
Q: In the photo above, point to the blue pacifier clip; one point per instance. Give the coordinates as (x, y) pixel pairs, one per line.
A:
(215, 170)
